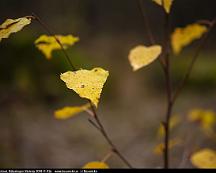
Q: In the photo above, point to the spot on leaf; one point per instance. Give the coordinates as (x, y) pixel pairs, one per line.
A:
(96, 165)
(12, 26)
(70, 111)
(204, 159)
(142, 56)
(47, 44)
(167, 4)
(87, 83)
(184, 36)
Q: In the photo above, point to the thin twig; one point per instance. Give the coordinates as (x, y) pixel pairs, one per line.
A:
(146, 21)
(193, 61)
(166, 52)
(107, 156)
(109, 141)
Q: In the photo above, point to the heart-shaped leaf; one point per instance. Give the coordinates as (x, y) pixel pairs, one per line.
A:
(87, 83)
(142, 56)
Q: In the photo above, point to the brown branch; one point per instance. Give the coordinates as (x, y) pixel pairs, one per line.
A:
(193, 61)
(98, 125)
(166, 53)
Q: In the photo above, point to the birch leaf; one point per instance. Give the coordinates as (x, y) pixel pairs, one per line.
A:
(205, 118)
(142, 56)
(185, 36)
(204, 159)
(87, 83)
(167, 4)
(12, 26)
(70, 111)
(96, 165)
(47, 44)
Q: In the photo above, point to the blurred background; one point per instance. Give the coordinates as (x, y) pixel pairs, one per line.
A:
(132, 105)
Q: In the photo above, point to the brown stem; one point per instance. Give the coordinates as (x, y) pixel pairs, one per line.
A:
(146, 21)
(166, 52)
(103, 132)
(193, 61)
(99, 126)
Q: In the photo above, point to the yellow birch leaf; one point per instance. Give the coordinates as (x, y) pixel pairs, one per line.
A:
(206, 118)
(174, 121)
(96, 165)
(87, 83)
(204, 159)
(142, 56)
(12, 26)
(182, 37)
(47, 44)
(70, 111)
(167, 4)
(159, 149)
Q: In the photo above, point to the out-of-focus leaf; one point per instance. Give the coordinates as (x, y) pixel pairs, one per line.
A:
(96, 165)
(70, 111)
(142, 56)
(167, 4)
(12, 26)
(185, 36)
(159, 149)
(87, 83)
(206, 118)
(174, 121)
(204, 159)
(47, 44)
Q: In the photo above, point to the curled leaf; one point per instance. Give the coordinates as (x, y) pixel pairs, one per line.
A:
(142, 56)
(167, 4)
(47, 44)
(159, 149)
(96, 165)
(204, 159)
(185, 36)
(12, 26)
(87, 83)
(70, 111)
